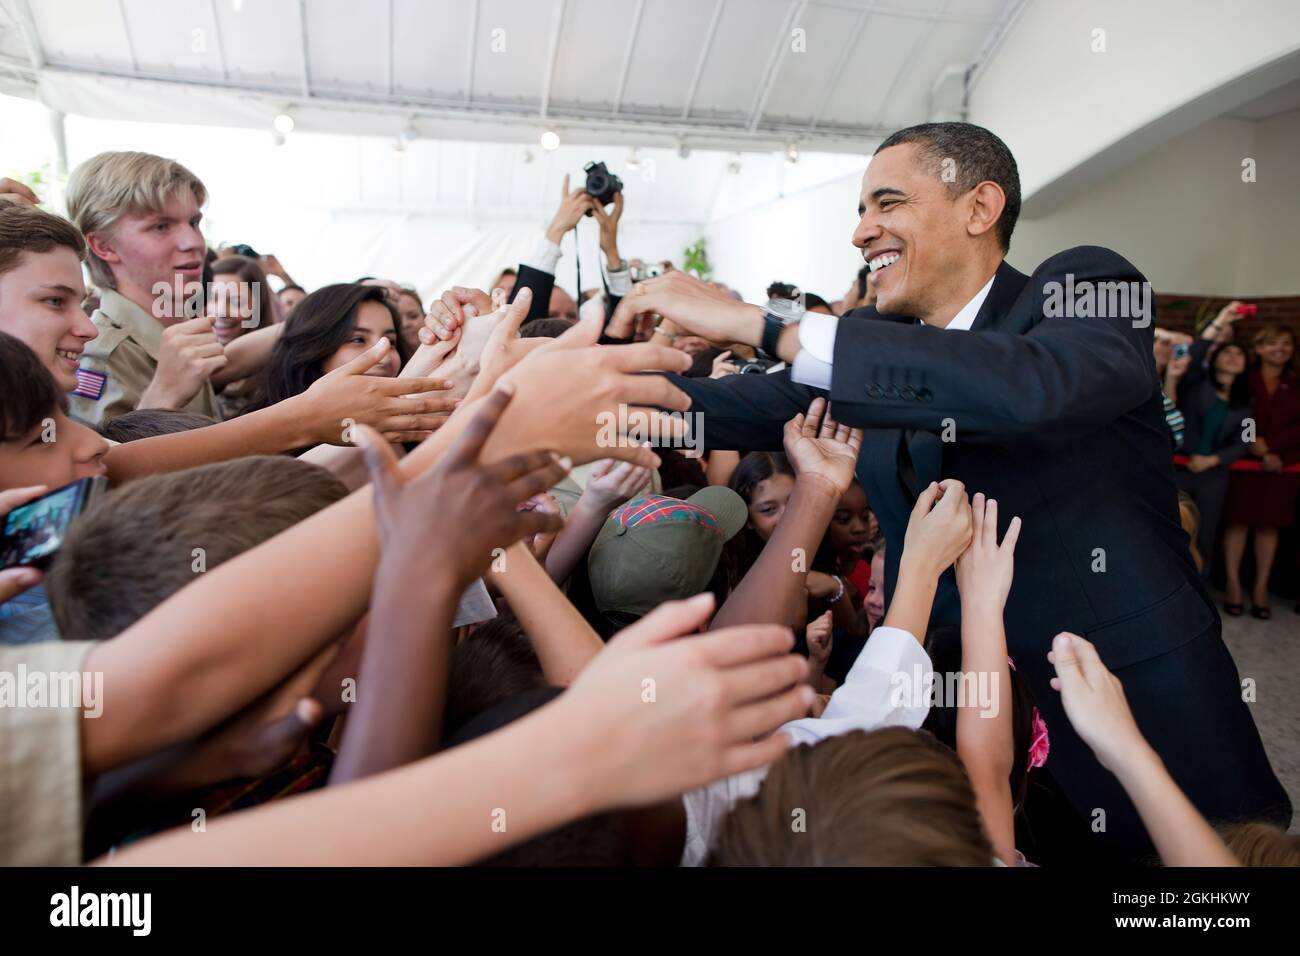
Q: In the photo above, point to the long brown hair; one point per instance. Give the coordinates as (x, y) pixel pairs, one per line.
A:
(248, 270)
(891, 797)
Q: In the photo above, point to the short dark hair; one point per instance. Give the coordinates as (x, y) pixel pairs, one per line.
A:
(316, 329)
(134, 549)
(495, 662)
(979, 156)
(250, 271)
(31, 229)
(544, 328)
(28, 392)
(151, 422)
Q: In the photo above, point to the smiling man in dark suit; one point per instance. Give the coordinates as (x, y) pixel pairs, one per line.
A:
(1041, 392)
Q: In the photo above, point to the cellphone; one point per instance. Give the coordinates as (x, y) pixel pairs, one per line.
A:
(34, 532)
(1182, 350)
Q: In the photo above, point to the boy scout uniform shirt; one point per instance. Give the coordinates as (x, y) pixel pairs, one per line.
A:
(120, 362)
(42, 794)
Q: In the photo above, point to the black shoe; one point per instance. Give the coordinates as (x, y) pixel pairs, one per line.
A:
(1234, 610)
(1264, 613)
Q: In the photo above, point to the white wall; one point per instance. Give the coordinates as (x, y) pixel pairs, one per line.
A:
(1184, 217)
(1168, 65)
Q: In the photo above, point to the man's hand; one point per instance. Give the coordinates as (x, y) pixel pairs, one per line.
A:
(985, 569)
(471, 507)
(573, 206)
(609, 230)
(940, 527)
(581, 399)
(818, 636)
(13, 191)
(723, 366)
(1199, 463)
(188, 357)
(822, 449)
(719, 697)
(695, 307)
(450, 311)
(400, 409)
(14, 581)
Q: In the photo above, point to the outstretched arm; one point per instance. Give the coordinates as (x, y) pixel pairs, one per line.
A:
(1094, 702)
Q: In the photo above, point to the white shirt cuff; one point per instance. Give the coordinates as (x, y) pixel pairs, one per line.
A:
(813, 365)
(546, 255)
(888, 686)
(620, 281)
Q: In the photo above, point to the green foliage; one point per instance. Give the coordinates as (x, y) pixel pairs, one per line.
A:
(695, 259)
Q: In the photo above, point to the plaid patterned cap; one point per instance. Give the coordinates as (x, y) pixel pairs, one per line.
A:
(655, 549)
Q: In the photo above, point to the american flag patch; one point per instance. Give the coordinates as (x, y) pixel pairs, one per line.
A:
(90, 384)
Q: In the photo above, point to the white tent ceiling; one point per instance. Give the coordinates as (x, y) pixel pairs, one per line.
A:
(731, 74)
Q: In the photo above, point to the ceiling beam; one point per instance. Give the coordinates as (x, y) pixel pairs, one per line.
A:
(517, 121)
(774, 61)
(126, 32)
(703, 60)
(473, 52)
(391, 40)
(1010, 13)
(552, 56)
(304, 62)
(31, 36)
(627, 53)
(216, 33)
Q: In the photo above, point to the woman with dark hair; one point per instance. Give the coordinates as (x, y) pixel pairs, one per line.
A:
(1265, 500)
(1215, 402)
(328, 329)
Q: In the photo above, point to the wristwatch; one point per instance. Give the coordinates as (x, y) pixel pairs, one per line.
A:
(777, 315)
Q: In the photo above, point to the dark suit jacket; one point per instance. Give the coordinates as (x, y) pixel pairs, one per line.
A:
(1061, 420)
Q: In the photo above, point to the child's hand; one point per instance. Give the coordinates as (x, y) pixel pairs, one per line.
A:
(985, 569)
(1094, 700)
(940, 527)
(458, 499)
(613, 482)
(540, 544)
(822, 449)
(818, 636)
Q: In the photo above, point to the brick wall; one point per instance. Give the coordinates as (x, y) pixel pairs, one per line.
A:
(1178, 312)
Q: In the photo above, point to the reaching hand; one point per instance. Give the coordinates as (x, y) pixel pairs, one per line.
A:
(609, 225)
(715, 700)
(818, 636)
(822, 449)
(400, 409)
(723, 366)
(985, 569)
(448, 313)
(470, 506)
(188, 357)
(613, 482)
(938, 532)
(1094, 700)
(13, 191)
(573, 206)
(693, 306)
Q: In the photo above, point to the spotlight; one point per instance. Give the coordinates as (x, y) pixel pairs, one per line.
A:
(550, 140)
(528, 156)
(408, 135)
(283, 123)
(683, 150)
(633, 161)
(733, 167)
(792, 154)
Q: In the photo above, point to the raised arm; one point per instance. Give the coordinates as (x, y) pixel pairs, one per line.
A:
(403, 681)
(553, 766)
(247, 354)
(402, 409)
(1094, 701)
(202, 655)
(824, 454)
(985, 736)
(610, 484)
(937, 532)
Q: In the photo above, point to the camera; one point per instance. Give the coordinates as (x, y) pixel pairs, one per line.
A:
(1182, 350)
(651, 271)
(1247, 308)
(601, 183)
(754, 367)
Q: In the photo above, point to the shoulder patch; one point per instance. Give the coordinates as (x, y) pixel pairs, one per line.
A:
(90, 384)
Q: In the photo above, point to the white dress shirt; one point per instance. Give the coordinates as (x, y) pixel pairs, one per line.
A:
(812, 366)
(868, 699)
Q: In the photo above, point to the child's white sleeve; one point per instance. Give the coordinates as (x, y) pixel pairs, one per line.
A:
(888, 686)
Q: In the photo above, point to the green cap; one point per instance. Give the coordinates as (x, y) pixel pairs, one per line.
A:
(655, 549)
